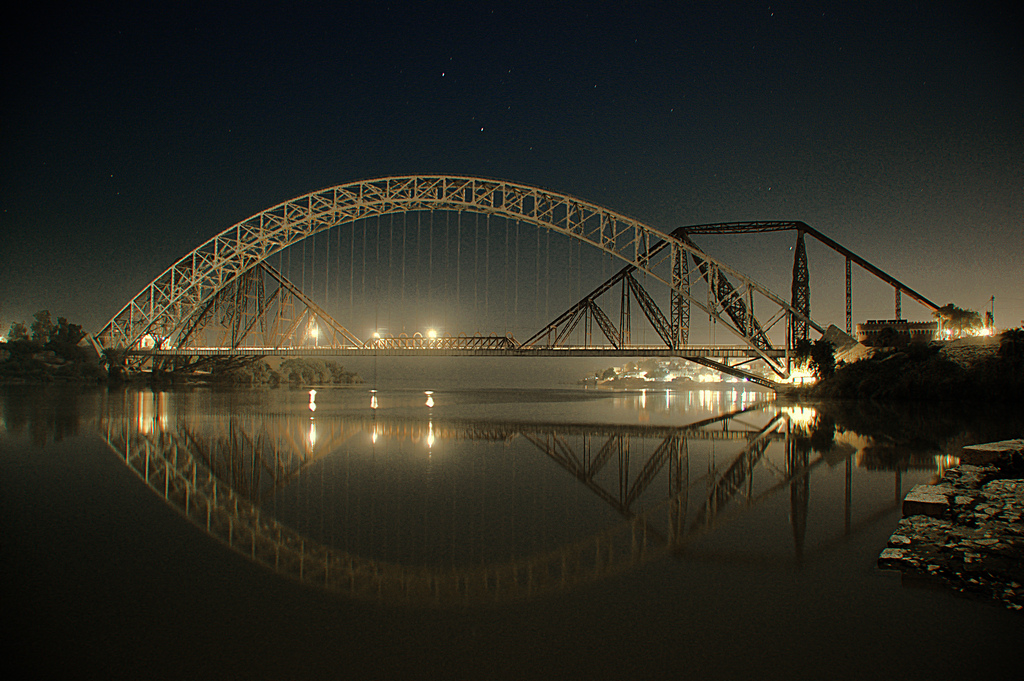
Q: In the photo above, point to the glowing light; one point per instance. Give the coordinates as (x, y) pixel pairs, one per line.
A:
(373, 400)
(431, 333)
(430, 397)
(800, 375)
(312, 433)
(147, 342)
(801, 416)
(430, 434)
(312, 400)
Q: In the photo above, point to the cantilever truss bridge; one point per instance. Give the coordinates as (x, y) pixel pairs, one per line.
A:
(235, 297)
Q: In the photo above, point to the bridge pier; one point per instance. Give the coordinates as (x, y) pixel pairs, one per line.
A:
(801, 289)
(849, 298)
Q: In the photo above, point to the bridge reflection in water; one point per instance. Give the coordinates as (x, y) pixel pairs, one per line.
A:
(233, 471)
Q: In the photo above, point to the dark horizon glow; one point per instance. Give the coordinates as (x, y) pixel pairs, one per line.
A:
(133, 134)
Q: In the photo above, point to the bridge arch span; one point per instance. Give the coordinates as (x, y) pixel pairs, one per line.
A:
(166, 304)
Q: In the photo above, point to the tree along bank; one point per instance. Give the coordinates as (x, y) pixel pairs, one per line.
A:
(295, 371)
(46, 351)
(28, 361)
(292, 371)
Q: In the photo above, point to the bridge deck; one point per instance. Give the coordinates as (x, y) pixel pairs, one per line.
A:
(699, 351)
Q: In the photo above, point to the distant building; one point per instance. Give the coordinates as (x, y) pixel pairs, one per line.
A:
(890, 332)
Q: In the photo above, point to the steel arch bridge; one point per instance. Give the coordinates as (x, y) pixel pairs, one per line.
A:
(228, 280)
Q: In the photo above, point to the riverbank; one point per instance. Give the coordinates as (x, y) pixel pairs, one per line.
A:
(28, 363)
(966, 532)
(984, 369)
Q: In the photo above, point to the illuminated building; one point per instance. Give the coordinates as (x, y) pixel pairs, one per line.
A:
(901, 331)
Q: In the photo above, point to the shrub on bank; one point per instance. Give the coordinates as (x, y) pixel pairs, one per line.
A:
(302, 371)
(256, 373)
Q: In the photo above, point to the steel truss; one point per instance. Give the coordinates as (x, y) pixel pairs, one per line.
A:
(799, 268)
(674, 331)
(801, 289)
(262, 307)
(420, 342)
(171, 301)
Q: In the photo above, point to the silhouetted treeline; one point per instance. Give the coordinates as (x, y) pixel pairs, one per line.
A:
(292, 371)
(48, 351)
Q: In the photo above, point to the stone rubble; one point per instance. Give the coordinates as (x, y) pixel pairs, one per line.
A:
(967, 531)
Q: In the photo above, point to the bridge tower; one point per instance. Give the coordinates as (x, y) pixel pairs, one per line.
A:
(801, 289)
(679, 304)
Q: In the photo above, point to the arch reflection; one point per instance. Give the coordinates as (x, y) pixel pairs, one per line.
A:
(668, 487)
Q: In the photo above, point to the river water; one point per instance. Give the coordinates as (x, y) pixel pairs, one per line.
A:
(420, 528)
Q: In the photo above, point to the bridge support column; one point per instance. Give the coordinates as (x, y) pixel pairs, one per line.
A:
(624, 315)
(849, 300)
(801, 289)
(679, 302)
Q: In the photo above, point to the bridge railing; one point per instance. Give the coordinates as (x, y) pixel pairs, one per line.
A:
(500, 346)
(506, 342)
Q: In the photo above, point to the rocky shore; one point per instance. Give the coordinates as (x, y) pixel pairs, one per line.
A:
(967, 531)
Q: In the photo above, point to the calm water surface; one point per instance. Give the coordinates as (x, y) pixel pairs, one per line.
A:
(421, 531)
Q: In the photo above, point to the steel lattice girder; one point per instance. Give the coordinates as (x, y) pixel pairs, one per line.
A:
(190, 282)
(801, 288)
(773, 226)
(674, 332)
(244, 309)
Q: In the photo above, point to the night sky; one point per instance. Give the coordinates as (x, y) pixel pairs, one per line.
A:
(132, 133)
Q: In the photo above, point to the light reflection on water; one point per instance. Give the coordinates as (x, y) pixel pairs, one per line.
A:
(654, 403)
